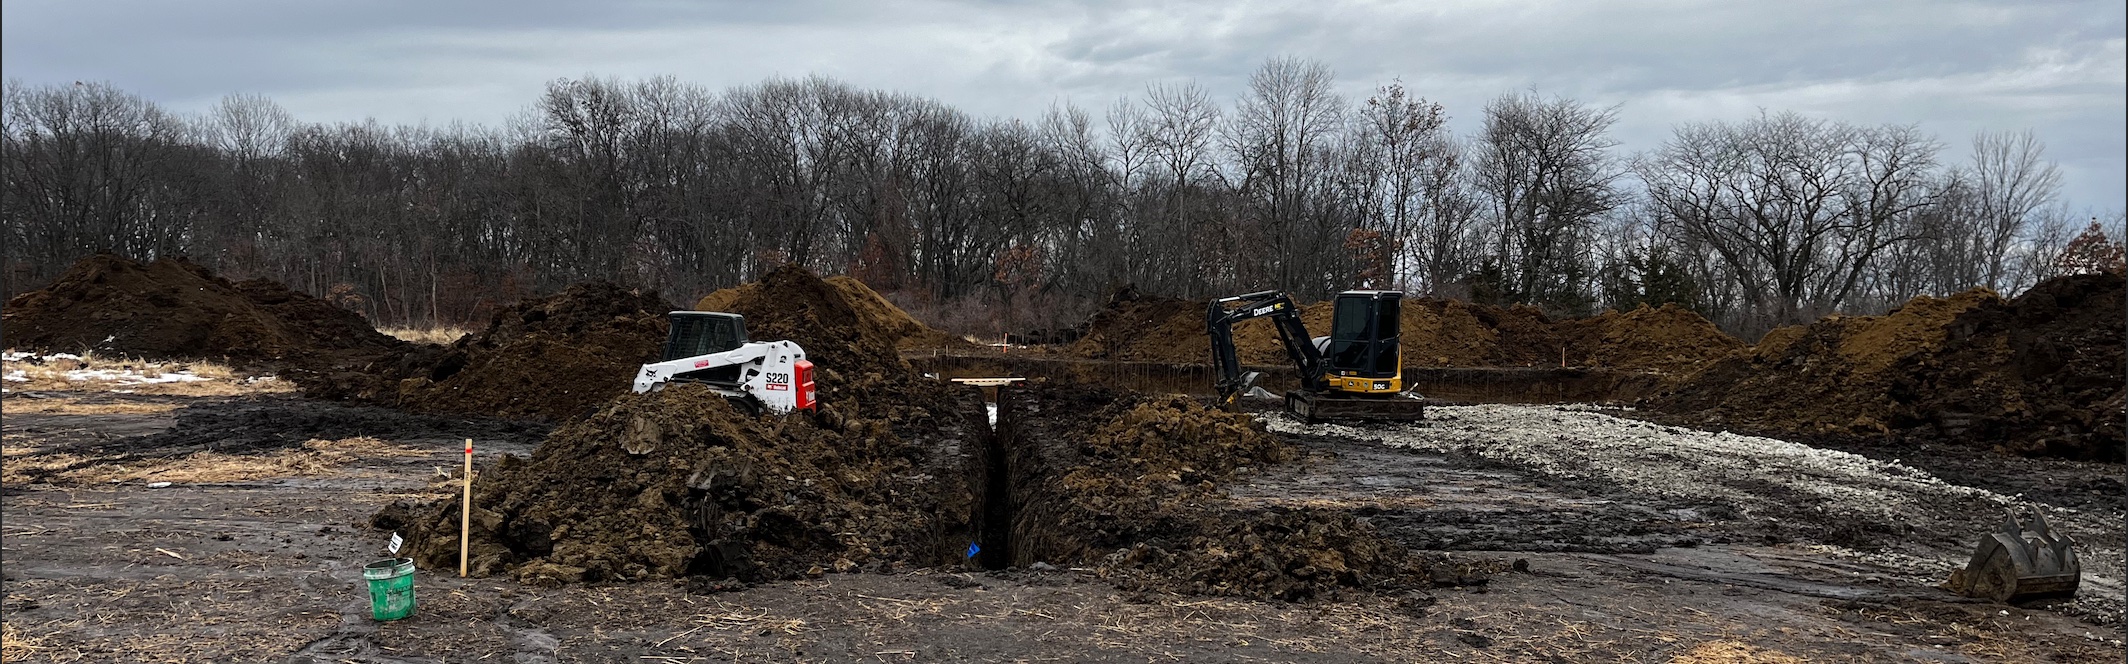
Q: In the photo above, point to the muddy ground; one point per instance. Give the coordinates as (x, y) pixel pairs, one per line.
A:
(1599, 560)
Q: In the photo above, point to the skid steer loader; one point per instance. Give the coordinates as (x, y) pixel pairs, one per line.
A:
(2020, 561)
(711, 348)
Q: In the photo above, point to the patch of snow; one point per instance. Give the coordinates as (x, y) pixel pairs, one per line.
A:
(14, 356)
(16, 376)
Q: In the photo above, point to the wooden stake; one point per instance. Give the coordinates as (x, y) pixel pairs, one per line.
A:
(465, 510)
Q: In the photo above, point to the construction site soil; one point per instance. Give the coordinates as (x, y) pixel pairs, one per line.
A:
(549, 359)
(1668, 340)
(1607, 539)
(2041, 374)
(175, 309)
(1529, 533)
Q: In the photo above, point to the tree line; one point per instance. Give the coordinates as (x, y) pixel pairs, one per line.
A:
(661, 184)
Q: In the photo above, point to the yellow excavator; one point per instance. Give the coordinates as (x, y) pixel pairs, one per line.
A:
(1357, 372)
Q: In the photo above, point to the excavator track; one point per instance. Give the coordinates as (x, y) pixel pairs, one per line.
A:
(1318, 406)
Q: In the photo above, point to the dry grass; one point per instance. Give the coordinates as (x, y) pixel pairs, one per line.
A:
(16, 647)
(65, 372)
(1725, 651)
(65, 405)
(316, 457)
(427, 335)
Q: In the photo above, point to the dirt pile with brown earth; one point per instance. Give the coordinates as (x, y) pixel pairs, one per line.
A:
(1136, 327)
(1668, 339)
(863, 305)
(172, 309)
(1829, 377)
(2041, 374)
(1129, 485)
(1671, 340)
(547, 358)
(679, 483)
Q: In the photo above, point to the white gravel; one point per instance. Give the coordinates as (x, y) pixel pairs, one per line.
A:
(1656, 460)
(1762, 478)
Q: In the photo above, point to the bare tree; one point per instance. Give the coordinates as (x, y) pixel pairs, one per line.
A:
(1407, 145)
(2011, 181)
(1282, 137)
(1797, 208)
(1545, 168)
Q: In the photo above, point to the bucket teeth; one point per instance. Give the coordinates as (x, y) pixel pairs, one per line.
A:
(2021, 560)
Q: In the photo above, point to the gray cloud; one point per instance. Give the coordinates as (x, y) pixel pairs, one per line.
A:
(1952, 67)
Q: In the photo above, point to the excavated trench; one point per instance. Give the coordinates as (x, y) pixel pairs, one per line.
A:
(1454, 384)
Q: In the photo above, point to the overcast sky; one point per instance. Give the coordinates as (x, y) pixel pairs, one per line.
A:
(1952, 67)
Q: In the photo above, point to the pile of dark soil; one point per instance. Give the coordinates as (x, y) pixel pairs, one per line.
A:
(1133, 326)
(679, 483)
(1827, 378)
(548, 358)
(1436, 333)
(1670, 340)
(2041, 374)
(1128, 484)
(852, 298)
(172, 309)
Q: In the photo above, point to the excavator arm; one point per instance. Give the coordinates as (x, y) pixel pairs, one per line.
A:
(1220, 317)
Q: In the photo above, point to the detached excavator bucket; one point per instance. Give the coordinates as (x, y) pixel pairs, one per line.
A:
(2020, 561)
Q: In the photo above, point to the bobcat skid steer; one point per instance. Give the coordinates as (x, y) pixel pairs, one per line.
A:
(711, 348)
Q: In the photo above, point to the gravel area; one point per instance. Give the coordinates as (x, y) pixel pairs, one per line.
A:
(1842, 504)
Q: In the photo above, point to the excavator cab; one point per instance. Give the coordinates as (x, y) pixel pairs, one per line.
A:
(1363, 355)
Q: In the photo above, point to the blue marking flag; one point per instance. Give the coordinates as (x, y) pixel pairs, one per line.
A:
(974, 548)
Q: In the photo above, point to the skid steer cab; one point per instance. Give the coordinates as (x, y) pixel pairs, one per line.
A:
(711, 348)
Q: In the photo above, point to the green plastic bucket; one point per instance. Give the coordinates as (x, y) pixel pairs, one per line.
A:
(391, 588)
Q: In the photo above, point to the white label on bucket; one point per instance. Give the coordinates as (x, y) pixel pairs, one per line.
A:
(394, 546)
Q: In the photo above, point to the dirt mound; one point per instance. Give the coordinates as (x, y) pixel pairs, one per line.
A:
(1828, 378)
(1436, 333)
(868, 309)
(679, 483)
(548, 358)
(2039, 375)
(174, 309)
(1128, 485)
(1669, 339)
(1136, 327)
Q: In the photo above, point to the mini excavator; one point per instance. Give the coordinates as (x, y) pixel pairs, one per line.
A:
(1357, 372)
(711, 348)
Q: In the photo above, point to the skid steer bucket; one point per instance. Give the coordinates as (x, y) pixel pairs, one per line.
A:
(2020, 561)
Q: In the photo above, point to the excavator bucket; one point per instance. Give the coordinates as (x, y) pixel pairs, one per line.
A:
(2020, 561)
